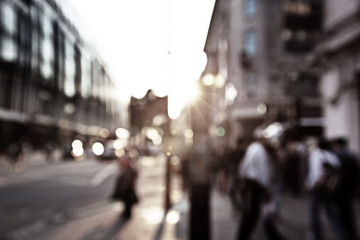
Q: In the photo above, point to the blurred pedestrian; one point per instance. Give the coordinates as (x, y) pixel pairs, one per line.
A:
(49, 148)
(257, 177)
(125, 186)
(185, 172)
(15, 153)
(293, 167)
(321, 179)
(348, 186)
(234, 160)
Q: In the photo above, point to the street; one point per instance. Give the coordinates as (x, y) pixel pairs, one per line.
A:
(70, 200)
(46, 196)
(292, 222)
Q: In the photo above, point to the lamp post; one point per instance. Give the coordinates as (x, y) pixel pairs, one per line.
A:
(200, 117)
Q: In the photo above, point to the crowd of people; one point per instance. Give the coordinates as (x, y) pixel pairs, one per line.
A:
(258, 172)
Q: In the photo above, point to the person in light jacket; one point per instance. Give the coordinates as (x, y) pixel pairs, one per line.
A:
(258, 184)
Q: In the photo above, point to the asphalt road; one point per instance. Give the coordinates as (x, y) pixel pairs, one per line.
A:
(70, 200)
(46, 196)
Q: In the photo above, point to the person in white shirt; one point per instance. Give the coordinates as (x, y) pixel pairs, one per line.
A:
(257, 175)
(317, 158)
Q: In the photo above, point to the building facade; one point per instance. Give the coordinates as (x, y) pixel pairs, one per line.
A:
(260, 48)
(338, 57)
(53, 84)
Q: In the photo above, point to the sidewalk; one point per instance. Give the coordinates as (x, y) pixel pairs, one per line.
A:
(152, 224)
(224, 222)
(293, 221)
(108, 225)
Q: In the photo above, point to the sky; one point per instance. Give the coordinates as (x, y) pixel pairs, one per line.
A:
(150, 44)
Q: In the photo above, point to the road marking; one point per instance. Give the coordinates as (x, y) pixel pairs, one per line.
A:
(102, 175)
(97, 208)
(26, 232)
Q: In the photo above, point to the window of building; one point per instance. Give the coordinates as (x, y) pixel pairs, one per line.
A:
(85, 76)
(250, 43)
(297, 8)
(103, 85)
(9, 30)
(35, 39)
(47, 50)
(250, 8)
(298, 40)
(69, 84)
(60, 57)
(107, 91)
(78, 72)
(95, 78)
(24, 39)
(8, 19)
(302, 23)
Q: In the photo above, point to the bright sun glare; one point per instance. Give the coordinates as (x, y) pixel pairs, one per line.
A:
(157, 46)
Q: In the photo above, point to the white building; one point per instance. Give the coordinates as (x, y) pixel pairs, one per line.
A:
(338, 56)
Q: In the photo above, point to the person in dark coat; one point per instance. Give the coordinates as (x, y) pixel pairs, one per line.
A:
(234, 160)
(125, 187)
(347, 187)
(321, 162)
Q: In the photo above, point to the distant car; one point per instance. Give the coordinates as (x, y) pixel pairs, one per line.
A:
(109, 151)
(108, 154)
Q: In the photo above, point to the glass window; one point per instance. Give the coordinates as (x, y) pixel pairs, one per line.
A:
(250, 43)
(96, 76)
(8, 19)
(24, 39)
(250, 8)
(47, 49)
(47, 27)
(108, 87)
(46, 67)
(35, 39)
(78, 71)
(8, 25)
(103, 86)
(9, 49)
(69, 70)
(85, 77)
(60, 59)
